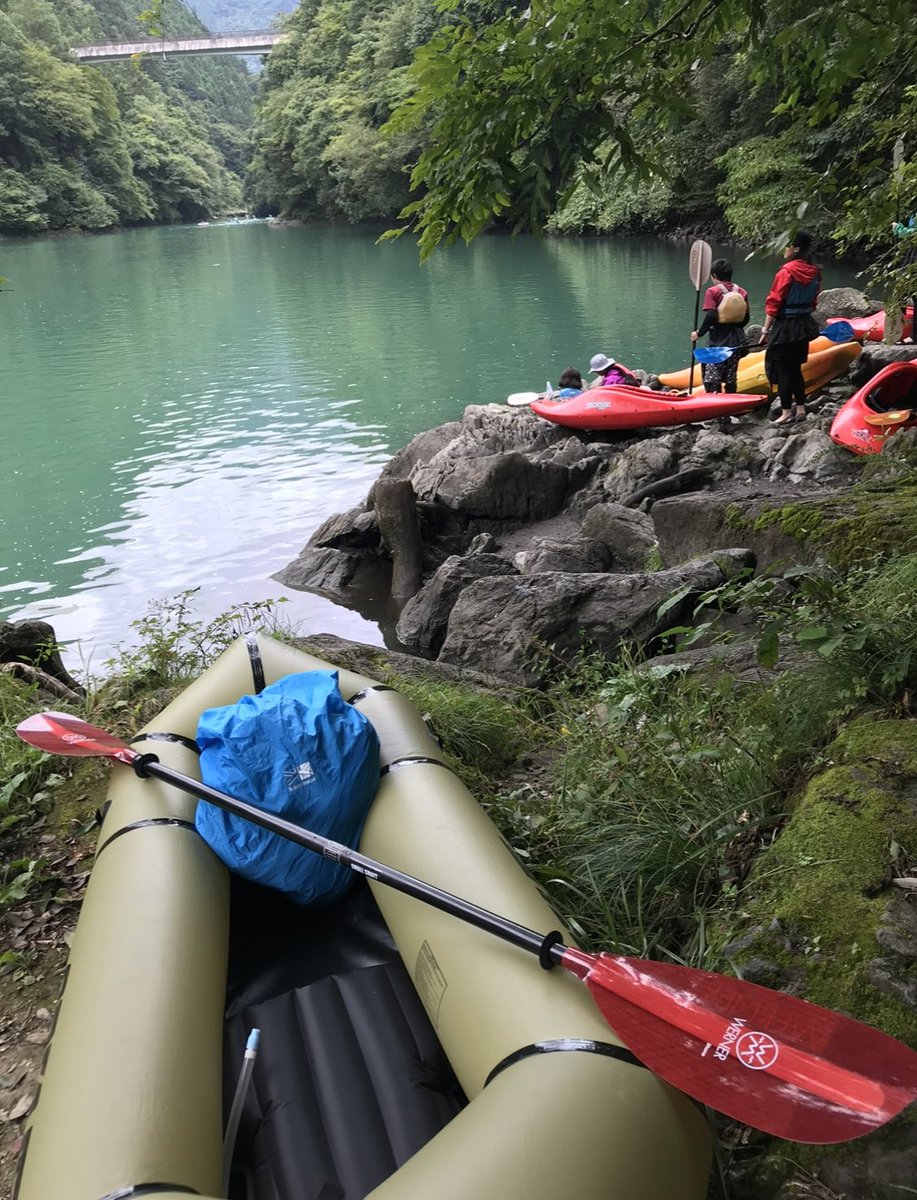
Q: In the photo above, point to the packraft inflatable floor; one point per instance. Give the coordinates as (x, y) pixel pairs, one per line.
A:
(404, 1054)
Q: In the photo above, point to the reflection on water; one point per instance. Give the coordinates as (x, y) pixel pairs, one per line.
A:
(185, 406)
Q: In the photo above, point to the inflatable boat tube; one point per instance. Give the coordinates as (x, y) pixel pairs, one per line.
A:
(131, 1098)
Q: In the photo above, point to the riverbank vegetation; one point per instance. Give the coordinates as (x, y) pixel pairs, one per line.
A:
(595, 118)
(118, 143)
(735, 118)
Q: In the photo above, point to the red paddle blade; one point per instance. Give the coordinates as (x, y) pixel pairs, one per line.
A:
(772, 1061)
(61, 733)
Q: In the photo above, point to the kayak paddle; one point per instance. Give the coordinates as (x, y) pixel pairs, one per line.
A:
(772, 1061)
(699, 262)
(713, 354)
(519, 398)
(839, 331)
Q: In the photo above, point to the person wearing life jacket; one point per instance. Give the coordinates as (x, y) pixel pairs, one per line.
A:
(726, 313)
(610, 373)
(789, 325)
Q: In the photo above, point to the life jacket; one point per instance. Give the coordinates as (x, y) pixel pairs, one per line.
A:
(800, 299)
(617, 376)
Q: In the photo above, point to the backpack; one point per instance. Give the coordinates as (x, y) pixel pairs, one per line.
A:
(731, 308)
(299, 751)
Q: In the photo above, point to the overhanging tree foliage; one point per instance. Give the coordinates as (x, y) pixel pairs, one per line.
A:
(518, 110)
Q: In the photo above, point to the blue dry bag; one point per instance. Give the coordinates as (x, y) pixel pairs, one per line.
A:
(298, 750)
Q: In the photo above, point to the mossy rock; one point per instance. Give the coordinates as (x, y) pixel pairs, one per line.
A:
(875, 520)
(822, 919)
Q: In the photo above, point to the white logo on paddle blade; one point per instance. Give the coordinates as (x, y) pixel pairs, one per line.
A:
(757, 1050)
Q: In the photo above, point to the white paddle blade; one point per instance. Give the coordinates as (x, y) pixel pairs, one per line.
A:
(517, 399)
(699, 263)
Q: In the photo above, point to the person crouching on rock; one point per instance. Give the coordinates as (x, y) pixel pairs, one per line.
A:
(789, 325)
(726, 313)
(610, 373)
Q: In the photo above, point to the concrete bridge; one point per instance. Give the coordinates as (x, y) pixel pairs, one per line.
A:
(230, 43)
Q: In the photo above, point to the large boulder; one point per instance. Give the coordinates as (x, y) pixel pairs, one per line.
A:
(423, 620)
(516, 627)
(355, 529)
(337, 574)
(34, 643)
(844, 302)
(420, 449)
(646, 459)
(628, 534)
(807, 455)
(585, 555)
(699, 524)
(875, 357)
(498, 487)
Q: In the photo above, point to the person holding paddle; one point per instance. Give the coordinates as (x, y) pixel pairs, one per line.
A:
(789, 325)
(726, 313)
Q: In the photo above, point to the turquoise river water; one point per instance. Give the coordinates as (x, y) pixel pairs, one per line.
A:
(185, 405)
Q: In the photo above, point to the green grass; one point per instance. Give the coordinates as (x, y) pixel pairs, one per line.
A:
(666, 785)
(637, 794)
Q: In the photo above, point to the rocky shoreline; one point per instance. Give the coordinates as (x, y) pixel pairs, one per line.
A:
(532, 541)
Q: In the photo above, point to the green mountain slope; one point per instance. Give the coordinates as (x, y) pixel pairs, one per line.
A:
(92, 147)
(225, 15)
(327, 90)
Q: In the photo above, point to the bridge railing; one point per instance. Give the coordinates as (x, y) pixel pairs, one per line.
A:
(232, 43)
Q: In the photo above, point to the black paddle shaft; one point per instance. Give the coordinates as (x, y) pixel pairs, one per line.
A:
(549, 948)
(693, 344)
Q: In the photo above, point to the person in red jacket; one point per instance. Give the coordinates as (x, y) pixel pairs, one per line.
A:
(789, 325)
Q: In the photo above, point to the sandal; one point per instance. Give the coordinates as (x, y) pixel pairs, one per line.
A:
(800, 411)
(786, 416)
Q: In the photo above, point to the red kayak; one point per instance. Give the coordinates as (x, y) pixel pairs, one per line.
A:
(880, 408)
(872, 328)
(638, 408)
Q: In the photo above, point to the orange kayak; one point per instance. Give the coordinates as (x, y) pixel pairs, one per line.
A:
(826, 361)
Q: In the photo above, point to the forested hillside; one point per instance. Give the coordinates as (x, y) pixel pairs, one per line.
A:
(120, 143)
(225, 15)
(327, 92)
(595, 117)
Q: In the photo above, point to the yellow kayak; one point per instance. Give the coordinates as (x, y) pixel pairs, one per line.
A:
(826, 361)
